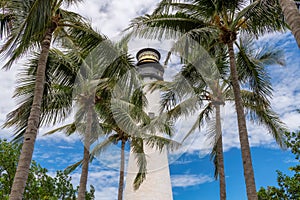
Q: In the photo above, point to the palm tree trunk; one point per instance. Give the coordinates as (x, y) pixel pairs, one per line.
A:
(292, 17)
(86, 156)
(122, 168)
(243, 134)
(21, 175)
(220, 156)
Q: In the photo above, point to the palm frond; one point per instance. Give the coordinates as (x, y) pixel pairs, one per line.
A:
(102, 146)
(121, 114)
(5, 24)
(158, 124)
(204, 115)
(137, 147)
(31, 20)
(76, 32)
(68, 129)
(252, 71)
(214, 159)
(159, 143)
(72, 2)
(57, 98)
(263, 17)
(72, 167)
(164, 26)
(186, 107)
(259, 111)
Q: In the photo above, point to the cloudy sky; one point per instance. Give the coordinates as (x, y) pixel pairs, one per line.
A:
(191, 169)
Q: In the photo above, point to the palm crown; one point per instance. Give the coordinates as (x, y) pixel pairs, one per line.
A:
(211, 23)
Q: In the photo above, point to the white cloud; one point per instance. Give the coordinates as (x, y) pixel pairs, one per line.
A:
(105, 183)
(286, 99)
(201, 144)
(111, 17)
(6, 87)
(290, 160)
(189, 180)
(106, 193)
(65, 147)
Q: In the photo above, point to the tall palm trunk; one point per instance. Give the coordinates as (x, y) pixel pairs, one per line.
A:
(243, 134)
(21, 175)
(220, 157)
(122, 168)
(86, 155)
(292, 17)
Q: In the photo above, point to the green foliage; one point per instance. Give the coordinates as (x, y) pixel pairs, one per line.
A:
(9, 154)
(39, 184)
(289, 186)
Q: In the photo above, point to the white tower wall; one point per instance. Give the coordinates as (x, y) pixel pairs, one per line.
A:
(157, 185)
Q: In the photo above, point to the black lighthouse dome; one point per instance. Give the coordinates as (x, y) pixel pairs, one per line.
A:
(148, 64)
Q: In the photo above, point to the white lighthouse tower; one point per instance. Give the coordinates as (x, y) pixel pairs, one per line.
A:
(157, 185)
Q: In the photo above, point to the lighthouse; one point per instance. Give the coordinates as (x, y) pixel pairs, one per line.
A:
(157, 185)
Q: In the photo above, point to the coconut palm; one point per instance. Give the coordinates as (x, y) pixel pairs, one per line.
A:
(221, 21)
(126, 116)
(292, 17)
(5, 19)
(121, 108)
(33, 25)
(93, 89)
(111, 110)
(192, 93)
(80, 39)
(121, 120)
(57, 98)
(61, 72)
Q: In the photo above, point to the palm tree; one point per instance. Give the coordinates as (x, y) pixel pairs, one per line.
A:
(190, 83)
(33, 25)
(292, 17)
(57, 98)
(88, 85)
(223, 21)
(125, 115)
(5, 19)
(120, 120)
(10, 46)
(128, 123)
(87, 101)
(91, 94)
(62, 72)
(110, 110)
(63, 66)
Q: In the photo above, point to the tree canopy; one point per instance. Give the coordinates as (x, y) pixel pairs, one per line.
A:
(288, 186)
(40, 184)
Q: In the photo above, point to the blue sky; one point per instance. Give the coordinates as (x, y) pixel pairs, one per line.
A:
(191, 171)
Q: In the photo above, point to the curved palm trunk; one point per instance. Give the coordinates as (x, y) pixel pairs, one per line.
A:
(86, 156)
(292, 17)
(21, 175)
(243, 134)
(122, 169)
(220, 156)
